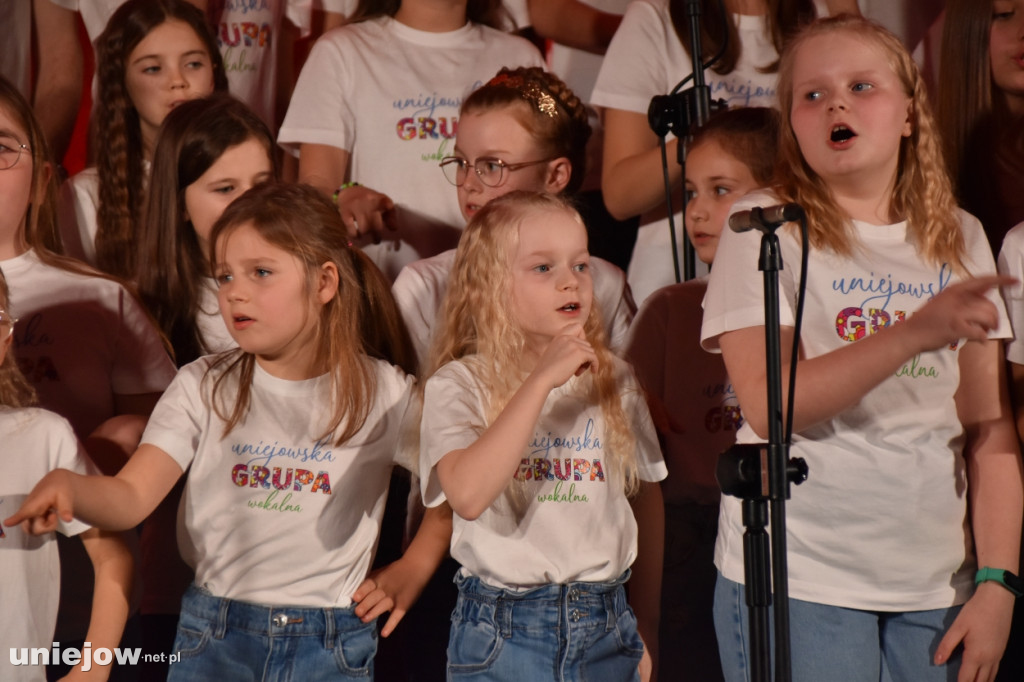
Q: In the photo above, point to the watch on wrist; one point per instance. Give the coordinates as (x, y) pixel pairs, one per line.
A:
(1001, 576)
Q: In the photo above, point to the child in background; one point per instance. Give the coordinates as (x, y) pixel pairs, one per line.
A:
(210, 151)
(522, 130)
(901, 412)
(376, 106)
(35, 442)
(153, 55)
(981, 109)
(288, 442)
(691, 399)
(536, 435)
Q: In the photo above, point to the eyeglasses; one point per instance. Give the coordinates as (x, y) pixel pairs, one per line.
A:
(491, 171)
(7, 323)
(10, 151)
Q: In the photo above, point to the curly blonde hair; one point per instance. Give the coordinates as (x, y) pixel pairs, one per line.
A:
(474, 324)
(15, 391)
(922, 195)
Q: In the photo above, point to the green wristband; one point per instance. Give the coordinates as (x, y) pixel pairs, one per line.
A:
(342, 188)
(1001, 576)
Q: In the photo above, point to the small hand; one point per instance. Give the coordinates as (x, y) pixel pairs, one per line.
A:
(960, 311)
(568, 354)
(393, 588)
(48, 503)
(982, 627)
(366, 213)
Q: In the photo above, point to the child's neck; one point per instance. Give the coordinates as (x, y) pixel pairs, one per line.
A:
(869, 203)
(433, 16)
(12, 242)
(289, 368)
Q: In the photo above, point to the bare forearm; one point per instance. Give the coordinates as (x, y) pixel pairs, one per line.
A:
(113, 569)
(632, 176)
(472, 478)
(433, 538)
(574, 24)
(645, 582)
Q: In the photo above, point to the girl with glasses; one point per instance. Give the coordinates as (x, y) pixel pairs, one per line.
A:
(376, 107)
(523, 130)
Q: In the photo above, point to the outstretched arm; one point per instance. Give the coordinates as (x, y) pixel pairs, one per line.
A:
(994, 488)
(108, 502)
(397, 586)
(961, 311)
(112, 565)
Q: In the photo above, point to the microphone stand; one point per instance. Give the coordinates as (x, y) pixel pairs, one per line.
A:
(679, 113)
(760, 474)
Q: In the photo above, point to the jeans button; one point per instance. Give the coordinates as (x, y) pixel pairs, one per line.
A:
(280, 620)
(575, 615)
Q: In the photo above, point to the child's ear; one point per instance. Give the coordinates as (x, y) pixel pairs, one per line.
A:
(47, 177)
(908, 125)
(327, 284)
(558, 175)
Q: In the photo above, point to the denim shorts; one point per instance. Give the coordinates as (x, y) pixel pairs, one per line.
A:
(836, 643)
(225, 640)
(566, 633)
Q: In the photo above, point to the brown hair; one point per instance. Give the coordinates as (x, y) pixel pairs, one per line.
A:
(546, 107)
(750, 134)
(784, 18)
(15, 391)
(361, 319)
(487, 12)
(171, 268)
(922, 194)
(117, 137)
(475, 326)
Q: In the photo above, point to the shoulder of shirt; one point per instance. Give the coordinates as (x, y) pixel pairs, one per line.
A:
(38, 417)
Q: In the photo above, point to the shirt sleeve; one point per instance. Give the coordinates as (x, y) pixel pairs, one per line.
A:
(1011, 262)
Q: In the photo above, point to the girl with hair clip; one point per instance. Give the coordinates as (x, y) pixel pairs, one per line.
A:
(901, 411)
(522, 130)
(288, 441)
(981, 109)
(210, 151)
(376, 107)
(153, 55)
(648, 56)
(36, 442)
(537, 436)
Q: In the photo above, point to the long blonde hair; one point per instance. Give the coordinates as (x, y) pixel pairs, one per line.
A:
(922, 195)
(15, 391)
(476, 325)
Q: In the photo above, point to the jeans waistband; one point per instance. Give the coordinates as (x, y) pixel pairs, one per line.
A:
(282, 621)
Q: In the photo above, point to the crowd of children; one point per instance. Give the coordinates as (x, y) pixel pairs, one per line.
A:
(215, 376)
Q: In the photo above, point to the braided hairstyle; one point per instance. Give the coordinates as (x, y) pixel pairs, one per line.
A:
(546, 107)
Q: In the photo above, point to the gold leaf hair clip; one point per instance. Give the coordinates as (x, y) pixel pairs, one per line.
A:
(528, 90)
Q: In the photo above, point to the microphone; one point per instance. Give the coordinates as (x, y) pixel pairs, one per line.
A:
(767, 218)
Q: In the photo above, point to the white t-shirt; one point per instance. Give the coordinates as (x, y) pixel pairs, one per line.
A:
(692, 400)
(77, 209)
(212, 329)
(881, 523)
(35, 442)
(81, 340)
(95, 13)
(646, 59)
(579, 68)
(1011, 262)
(390, 95)
(272, 514)
(578, 525)
(421, 286)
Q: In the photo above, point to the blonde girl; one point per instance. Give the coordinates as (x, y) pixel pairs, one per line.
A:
(901, 405)
(522, 130)
(35, 442)
(536, 436)
(152, 56)
(289, 442)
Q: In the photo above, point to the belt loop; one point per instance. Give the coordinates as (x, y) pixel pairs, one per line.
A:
(611, 613)
(503, 615)
(222, 618)
(329, 628)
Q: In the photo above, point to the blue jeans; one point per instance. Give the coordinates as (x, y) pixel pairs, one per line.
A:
(566, 633)
(835, 643)
(226, 640)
